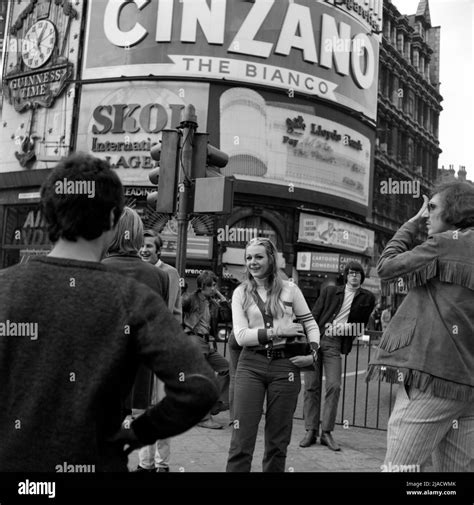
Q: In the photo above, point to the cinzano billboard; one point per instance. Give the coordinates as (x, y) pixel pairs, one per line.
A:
(304, 46)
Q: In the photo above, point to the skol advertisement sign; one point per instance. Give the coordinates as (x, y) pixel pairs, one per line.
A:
(304, 46)
(121, 124)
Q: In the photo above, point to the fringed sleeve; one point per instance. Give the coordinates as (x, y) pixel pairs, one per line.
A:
(436, 257)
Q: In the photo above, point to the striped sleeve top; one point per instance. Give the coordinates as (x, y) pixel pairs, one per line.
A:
(249, 326)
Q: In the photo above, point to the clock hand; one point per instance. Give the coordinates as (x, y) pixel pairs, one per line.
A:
(40, 38)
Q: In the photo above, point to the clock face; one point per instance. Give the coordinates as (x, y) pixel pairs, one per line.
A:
(38, 44)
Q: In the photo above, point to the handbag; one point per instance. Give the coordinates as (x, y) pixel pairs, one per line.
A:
(297, 346)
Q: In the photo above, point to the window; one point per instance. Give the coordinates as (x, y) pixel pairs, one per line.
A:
(24, 234)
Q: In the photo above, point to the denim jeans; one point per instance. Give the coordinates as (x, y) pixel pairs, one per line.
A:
(279, 380)
(234, 353)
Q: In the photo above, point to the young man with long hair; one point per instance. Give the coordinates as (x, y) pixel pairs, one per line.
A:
(428, 346)
(341, 313)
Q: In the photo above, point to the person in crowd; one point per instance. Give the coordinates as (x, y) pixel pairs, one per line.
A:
(123, 256)
(80, 329)
(234, 351)
(428, 347)
(156, 457)
(151, 253)
(385, 317)
(203, 310)
(264, 308)
(341, 313)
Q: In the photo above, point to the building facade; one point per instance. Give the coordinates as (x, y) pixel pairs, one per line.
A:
(289, 89)
(409, 107)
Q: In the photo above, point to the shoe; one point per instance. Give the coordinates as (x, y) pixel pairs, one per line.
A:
(163, 469)
(327, 440)
(220, 406)
(309, 439)
(209, 423)
(141, 469)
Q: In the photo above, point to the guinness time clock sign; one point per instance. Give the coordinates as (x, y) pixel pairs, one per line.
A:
(40, 69)
(38, 44)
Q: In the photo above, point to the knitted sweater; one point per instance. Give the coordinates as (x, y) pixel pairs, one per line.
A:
(61, 392)
(133, 266)
(249, 326)
(429, 342)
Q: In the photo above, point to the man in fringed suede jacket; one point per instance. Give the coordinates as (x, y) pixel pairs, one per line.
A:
(429, 344)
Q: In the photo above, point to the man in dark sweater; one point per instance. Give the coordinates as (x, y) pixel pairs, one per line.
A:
(72, 334)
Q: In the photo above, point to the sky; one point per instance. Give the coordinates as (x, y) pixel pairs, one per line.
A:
(456, 125)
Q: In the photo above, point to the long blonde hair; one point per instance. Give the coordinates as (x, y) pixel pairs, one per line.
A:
(274, 281)
(128, 237)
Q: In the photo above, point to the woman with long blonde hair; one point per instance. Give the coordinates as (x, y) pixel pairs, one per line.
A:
(264, 308)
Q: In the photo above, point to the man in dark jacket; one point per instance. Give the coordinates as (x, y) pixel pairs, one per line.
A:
(203, 310)
(341, 313)
(73, 333)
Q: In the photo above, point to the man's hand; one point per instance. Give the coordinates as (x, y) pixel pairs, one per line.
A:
(302, 361)
(220, 296)
(423, 212)
(126, 436)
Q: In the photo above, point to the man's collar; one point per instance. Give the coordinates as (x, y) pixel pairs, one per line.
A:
(158, 263)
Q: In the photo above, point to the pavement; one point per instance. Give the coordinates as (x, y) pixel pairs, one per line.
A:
(206, 450)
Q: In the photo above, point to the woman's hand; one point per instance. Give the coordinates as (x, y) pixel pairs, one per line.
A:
(291, 330)
(302, 361)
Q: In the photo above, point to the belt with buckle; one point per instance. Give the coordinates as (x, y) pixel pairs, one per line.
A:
(204, 336)
(272, 353)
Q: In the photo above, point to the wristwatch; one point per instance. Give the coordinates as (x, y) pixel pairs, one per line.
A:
(314, 350)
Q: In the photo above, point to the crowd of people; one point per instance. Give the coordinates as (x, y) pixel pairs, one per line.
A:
(123, 358)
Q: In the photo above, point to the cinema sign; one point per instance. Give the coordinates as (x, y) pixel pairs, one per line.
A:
(304, 47)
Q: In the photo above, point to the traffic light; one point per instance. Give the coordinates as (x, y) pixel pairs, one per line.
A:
(213, 192)
(166, 175)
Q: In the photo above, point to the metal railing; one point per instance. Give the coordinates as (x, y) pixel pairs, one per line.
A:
(361, 404)
(369, 403)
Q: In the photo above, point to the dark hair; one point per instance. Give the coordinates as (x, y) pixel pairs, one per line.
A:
(354, 265)
(206, 278)
(157, 239)
(72, 214)
(458, 200)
